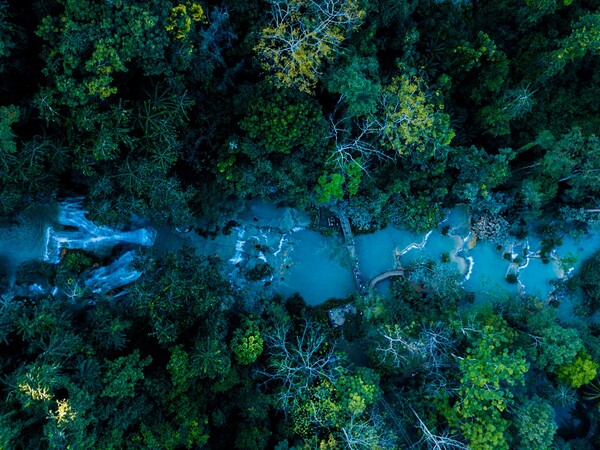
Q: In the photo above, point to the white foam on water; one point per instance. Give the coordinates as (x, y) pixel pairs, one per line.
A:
(281, 241)
(471, 265)
(524, 266)
(87, 235)
(239, 247)
(414, 245)
(118, 273)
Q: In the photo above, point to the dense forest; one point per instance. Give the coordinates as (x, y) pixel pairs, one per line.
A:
(390, 111)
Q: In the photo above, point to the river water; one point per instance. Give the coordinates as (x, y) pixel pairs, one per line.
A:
(318, 267)
(303, 261)
(294, 258)
(45, 232)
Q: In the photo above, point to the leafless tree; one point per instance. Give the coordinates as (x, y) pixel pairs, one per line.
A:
(367, 433)
(433, 441)
(219, 35)
(438, 344)
(296, 362)
(433, 346)
(357, 149)
(398, 346)
(304, 33)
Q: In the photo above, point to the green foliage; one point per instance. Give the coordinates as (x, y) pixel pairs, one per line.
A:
(160, 119)
(281, 121)
(419, 212)
(247, 343)
(579, 371)
(354, 174)
(553, 344)
(536, 9)
(182, 17)
(301, 37)
(179, 367)
(584, 39)
(332, 404)
(573, 160)
(513, 104)
(122, 374)
(479, 172)
(148, 110)
(119, 34)
(535, 425)
(566, 173)
(412, 118)
(330, 187)
(281, 149)
(178, 290)
(7, 43)
(356, 81)
(488, 370)
(588, 278)
(210, 358)
(167, 436)
(9, 115)
(470, 55)
(9, 431)
(490, 65)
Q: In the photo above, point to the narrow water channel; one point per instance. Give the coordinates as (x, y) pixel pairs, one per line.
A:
(267, 250)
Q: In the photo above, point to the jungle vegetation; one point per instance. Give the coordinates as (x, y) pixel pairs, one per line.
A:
(394, 109)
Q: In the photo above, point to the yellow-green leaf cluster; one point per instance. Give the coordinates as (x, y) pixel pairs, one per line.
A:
(182, 17)
(578, 372)
(247, 342)
(488, 369)
(411, 121)
(302, 36)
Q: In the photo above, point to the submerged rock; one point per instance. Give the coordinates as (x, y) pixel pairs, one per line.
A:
(259, 272)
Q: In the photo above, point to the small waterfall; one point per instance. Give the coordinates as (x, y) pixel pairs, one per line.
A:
(528, 254)
(524, 266)
(88, 236)
(414, 245)
(117, 274)
(281, 241)
(239, 247)
(36, 288)
(471, 265)
(521, 287)
(23, 241)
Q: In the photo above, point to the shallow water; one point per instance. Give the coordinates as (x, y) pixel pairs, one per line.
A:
(319, 269)
(488, 273)
(45, 231)
(377, 251)
(580, 247)
(25, 241)
(303, 261)
(438, 244)
(537, 278)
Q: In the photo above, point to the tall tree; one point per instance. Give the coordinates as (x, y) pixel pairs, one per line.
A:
(302, 35)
